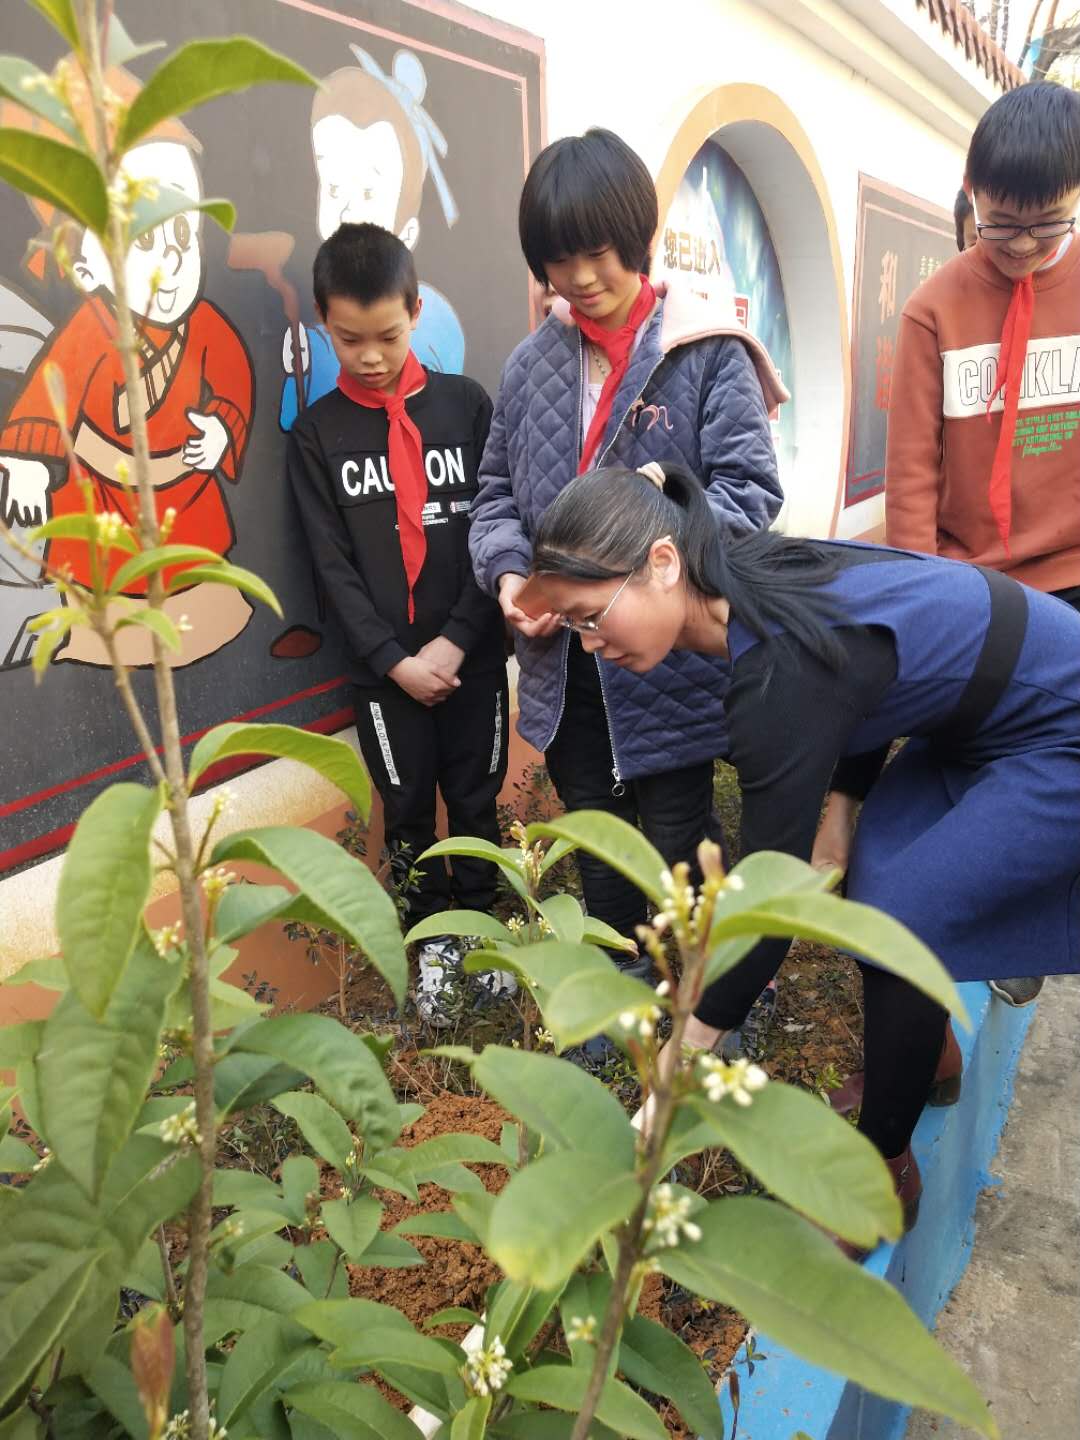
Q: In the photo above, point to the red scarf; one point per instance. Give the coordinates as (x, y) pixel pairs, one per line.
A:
(1010, 373)
(616, 345)
(406, 462)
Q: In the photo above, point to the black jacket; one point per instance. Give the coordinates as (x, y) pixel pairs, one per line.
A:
(339, 468)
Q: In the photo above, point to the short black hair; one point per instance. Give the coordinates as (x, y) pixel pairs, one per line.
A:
(585, 192)
(1026, 147)
(961, 210)
(364, 263)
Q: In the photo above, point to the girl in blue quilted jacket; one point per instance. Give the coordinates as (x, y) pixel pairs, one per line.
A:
(622, 374)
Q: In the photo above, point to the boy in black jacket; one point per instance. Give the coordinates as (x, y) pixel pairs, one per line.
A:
(384, 472)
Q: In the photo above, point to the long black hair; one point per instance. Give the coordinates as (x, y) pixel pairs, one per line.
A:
(603, 525)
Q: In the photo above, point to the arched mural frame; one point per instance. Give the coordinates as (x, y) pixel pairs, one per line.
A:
(767, 141)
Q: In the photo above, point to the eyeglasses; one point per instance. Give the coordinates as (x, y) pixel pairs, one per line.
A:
(1048, 230)
(590, 627)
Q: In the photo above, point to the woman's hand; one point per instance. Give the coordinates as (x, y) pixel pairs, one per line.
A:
(832, 845)
(510, 586)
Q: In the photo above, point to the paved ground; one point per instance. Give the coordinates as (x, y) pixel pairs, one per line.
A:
(1014, 1320)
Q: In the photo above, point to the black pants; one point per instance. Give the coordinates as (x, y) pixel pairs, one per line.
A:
(460, 746)
(675, 809)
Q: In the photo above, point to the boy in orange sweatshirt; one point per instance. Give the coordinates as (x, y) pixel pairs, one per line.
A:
(983, 448)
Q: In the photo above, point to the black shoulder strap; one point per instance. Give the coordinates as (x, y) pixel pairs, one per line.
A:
(994, 668)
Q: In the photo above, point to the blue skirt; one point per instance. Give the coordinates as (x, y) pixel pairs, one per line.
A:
(982, 862)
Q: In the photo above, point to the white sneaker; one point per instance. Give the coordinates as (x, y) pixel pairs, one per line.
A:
(439, 986)
(496, 984)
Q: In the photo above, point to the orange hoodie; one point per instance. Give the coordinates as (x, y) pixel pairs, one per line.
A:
(941, 443)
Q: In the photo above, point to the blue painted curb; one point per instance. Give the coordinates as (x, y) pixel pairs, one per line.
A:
(955, 1148)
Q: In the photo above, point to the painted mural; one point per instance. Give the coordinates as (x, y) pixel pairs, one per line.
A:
(715, 238)
(424, 123)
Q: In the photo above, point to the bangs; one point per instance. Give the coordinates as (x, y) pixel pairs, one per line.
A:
(587, 192)
(1026, 148)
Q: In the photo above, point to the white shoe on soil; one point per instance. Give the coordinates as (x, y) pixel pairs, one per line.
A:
(496, 984)
(439, 985)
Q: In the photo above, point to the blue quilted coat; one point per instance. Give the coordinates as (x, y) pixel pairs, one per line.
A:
(698, 391)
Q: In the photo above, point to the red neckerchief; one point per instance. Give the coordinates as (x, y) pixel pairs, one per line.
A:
(1015, 334)
(616, 345)
(406, 461)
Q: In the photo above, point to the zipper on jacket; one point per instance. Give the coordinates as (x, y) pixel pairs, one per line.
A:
(619, 787)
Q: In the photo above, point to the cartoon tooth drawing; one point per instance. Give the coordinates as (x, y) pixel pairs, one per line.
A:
(374, 147)
(198, 388)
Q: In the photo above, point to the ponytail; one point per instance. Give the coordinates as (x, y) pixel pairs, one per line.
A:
(604, 524)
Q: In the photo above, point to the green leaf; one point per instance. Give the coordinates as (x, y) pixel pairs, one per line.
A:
(157, 622)
(569, 1108)
(516, 1313)
(591, 1003)
(545, 1222)
(587, 1294)
(61, 16)
(475, 1209)
(390, 1170)
(652, 1357)
(320, 1124)
(200, 71)
(104, 885)
(342, 887)
(149, 562)
(112, 1382)
(431, 1156)
(563, 913)
(22, 1424)
(242, 1080)
(470, 1423)
(442, 1223)
(263, 1290)
(120, 48)
(543, 965)
(324, 1275)
(48, 972)
(791, 1281)
(337, 1321)
(378, 1347)
(844, 924)
(597, 933)
(83, 527)
(244, 908)
(612, 840)
(20, 1042)
(563, 1386)
(225, 573)
(33, 1315)
(333, 759)
(338, 1061)
(810, 1158)
(254, 1363)
(16, 1158)
(55, 171)
(93, 1074)
(352, 1225)
(352, 1412)
(149, 212)
(454, 1315)
(32, 89)
(299, 1181)
(461, 922)
(508, 861)
(390, 1252)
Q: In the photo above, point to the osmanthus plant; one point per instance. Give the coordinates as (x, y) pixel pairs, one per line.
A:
(250, 1329)
(593, 1211)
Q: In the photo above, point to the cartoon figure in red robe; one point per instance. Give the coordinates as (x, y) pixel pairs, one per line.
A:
(197, 387)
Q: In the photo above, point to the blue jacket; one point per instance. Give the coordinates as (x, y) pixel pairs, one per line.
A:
(697, 392)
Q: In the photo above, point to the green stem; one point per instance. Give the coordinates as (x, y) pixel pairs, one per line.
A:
(199, 1213)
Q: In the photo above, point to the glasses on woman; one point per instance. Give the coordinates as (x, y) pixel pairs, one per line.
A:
(1048, 230)
(590, 627)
